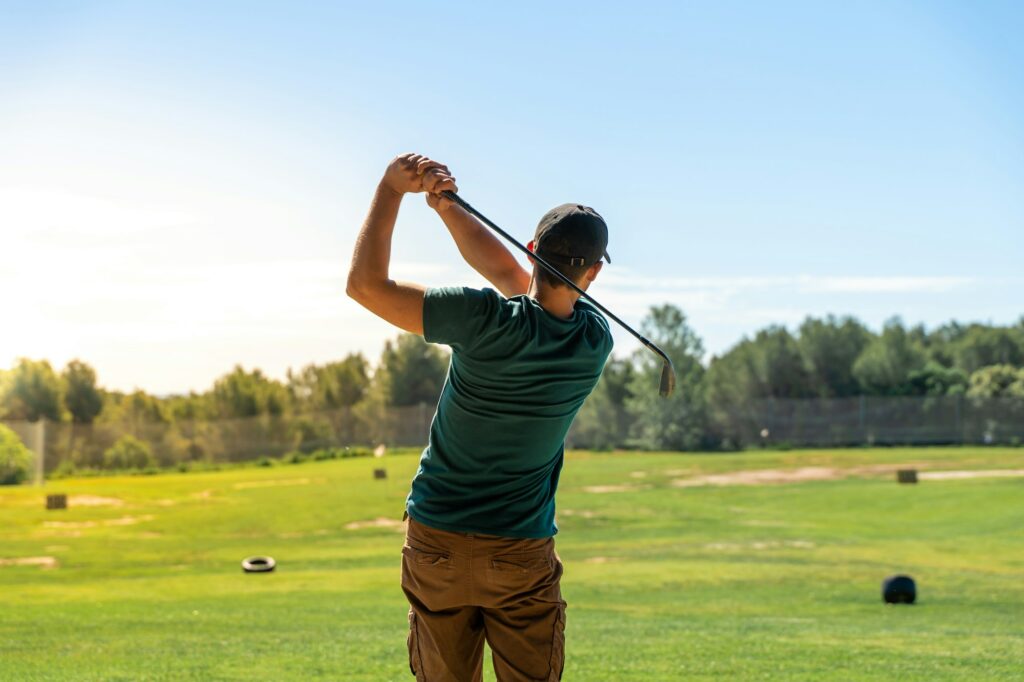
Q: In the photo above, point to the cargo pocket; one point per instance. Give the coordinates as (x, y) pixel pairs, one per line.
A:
(415, 662)
(558, 646)
(422, 557)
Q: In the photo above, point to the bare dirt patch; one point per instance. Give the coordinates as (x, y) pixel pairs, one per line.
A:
(780, 476)
(45, 562)
(638, 474)
(804, 474)
(77, 525)
(980, 473)
(379, 522)
(273, 483)
(584, 513)
(600, 489)
(600, 559)
(760, 545)
(762, 477)
(94, 501)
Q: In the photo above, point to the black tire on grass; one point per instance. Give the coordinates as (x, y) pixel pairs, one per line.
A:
(259, 564)
(899, 589)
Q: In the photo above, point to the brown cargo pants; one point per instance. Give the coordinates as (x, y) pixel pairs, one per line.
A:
(464, 588)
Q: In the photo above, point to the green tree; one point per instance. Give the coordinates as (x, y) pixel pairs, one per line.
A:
(129, 453)
(134, 409)
(997, 381)
(829, 348)
(779, 367)
(941, 342)
(732, 382)
(885, 366)
(677, 422)
(5, 381)
(770, 365)
(411, 371)
(34, 391)
(983, 346)
(332, 386)
(82, 397)
(603, 422)
(934, 379)
(247, 394)
(193, 407)
(15, 458)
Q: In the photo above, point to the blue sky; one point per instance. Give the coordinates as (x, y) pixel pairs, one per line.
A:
(182, 185)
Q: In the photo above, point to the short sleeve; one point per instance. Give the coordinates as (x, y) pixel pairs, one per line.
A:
(458, 316)
(589, 308)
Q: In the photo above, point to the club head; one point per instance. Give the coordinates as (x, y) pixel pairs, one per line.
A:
(668, 379)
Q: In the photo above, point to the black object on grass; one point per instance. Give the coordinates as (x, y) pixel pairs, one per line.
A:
(668, 373)
(906, 475)
(259, 564)
(899, 589)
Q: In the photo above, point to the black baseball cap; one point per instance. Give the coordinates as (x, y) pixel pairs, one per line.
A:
(572, 234)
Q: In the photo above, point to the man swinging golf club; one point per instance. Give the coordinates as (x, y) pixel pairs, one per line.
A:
(479, 560)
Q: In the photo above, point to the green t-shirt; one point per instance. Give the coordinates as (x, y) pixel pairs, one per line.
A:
(517, 377)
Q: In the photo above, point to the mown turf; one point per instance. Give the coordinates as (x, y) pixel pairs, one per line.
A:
(771, 582)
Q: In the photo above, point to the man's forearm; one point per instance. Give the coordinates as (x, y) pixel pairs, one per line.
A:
(372, 255)
(478, 245)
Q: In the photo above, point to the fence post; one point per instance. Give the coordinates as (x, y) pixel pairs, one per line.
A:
(957, 423)
(860, 419)
(40, 450)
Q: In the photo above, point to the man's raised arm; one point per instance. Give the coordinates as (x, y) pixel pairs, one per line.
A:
(369, 282)
(482, 250)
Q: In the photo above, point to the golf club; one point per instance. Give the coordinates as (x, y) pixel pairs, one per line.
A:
(668, 374)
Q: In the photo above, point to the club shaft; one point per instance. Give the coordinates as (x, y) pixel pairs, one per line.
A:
(448, 194)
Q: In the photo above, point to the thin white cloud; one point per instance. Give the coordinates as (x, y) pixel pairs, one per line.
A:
(884, 285)
(724, 286)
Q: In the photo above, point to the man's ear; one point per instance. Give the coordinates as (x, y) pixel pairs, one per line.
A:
(593, 270)
(529, 247)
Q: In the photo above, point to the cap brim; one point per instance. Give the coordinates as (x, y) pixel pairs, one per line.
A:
(607, 258)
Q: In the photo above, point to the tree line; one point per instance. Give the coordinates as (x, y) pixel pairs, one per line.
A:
(347, 401)
(825, 358)
(244, 414)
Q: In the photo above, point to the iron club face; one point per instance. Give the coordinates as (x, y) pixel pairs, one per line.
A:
(668, 379)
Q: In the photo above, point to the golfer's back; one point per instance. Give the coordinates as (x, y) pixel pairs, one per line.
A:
(517, 378)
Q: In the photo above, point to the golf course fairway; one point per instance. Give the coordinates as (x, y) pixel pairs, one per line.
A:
(746, 566)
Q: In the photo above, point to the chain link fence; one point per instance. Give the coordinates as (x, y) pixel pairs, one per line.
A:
(66, 445)
(866, 420)
(774, 423)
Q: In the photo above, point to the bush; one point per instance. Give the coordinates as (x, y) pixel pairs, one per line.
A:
(15, 458)
(129, 453)
(265, 462)
(308, 433)
(295, 457)
(65, 469)
(298, 457)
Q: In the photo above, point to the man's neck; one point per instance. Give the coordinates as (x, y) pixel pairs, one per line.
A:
(559, 301)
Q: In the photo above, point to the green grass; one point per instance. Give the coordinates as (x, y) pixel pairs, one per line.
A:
(778, 582)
